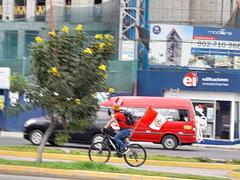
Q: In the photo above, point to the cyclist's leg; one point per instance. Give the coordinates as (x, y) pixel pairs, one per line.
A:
(120, 136)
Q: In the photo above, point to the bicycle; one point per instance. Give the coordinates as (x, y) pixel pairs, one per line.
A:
(101, 151)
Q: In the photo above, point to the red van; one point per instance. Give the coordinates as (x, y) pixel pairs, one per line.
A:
(173, 125)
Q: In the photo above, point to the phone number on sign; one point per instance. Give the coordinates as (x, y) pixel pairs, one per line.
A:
(218, 44)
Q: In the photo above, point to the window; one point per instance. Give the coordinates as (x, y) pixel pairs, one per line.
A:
(68, 2)
(40, 10)
(29, 37)
(174, 114)
(97, 1)
(20, 9)
(1, 9)
(10, 44)
(169, 114)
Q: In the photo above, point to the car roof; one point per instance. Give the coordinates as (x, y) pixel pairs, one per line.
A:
(145, 101)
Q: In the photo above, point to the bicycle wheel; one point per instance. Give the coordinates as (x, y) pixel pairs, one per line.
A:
(99, 152)
(136, 156)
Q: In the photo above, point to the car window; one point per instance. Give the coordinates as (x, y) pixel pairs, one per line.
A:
(102, 114)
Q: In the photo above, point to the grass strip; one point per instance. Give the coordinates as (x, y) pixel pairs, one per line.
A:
(31, 148)
(90, 166)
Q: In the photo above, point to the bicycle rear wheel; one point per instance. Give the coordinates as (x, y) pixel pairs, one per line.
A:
(136, 156)
(99, 152)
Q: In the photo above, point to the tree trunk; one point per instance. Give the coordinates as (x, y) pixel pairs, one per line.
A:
(45, 138)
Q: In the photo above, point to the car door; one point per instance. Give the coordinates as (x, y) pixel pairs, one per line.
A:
(86, 135)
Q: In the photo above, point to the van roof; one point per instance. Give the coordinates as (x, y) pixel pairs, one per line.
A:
(145, 101)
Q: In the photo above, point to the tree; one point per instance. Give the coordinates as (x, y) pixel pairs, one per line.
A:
(69, 69)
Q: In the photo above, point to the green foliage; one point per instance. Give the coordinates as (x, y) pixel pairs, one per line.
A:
(18, 83)
(61, 138)
(69, 69)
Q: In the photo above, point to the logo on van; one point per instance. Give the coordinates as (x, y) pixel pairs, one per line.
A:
(190, 79)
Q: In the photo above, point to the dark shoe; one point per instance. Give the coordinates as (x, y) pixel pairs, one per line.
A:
(125, 151)
(118, 154)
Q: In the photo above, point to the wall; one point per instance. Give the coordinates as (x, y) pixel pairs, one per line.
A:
(196, 12)
(122, 75)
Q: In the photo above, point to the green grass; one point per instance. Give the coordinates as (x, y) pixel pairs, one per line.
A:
(31, 148)
(90, 166)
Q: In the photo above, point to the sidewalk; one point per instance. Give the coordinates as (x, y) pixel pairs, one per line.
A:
(11, 134)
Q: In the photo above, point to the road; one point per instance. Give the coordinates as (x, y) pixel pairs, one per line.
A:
(184, 151)
(19, 177)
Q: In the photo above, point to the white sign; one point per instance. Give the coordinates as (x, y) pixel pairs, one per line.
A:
(5, 78)
(128, 50)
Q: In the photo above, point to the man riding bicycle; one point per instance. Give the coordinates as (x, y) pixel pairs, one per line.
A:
(125, 129)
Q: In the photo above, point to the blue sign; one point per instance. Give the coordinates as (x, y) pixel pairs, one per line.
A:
(153, 83)
(223, 34)
(216, 41)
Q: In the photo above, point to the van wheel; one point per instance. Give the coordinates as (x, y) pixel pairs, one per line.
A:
(36, 137)
(169, 142)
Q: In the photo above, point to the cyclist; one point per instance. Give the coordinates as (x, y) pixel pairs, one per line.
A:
(125, 129)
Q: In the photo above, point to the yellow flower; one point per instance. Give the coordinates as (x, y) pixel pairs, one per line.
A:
(38, 39)
(87, 51)
(77, 101)
(79, 27)
(109, 44)
(98, 36)
(65, 29)
(108, 36)
(52, 34)
(111, 90)
(1, 104)
(105, 76)
(101, 45)
(54, 71)
(102, 67)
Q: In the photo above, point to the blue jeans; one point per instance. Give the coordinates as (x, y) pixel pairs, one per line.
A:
(122, 134)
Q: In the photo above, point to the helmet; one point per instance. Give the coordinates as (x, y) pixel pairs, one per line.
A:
(116, 107)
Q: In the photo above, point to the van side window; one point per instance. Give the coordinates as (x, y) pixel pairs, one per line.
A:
(174, 114)
(137, 112)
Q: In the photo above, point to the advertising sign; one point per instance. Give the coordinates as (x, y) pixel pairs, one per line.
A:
(128, 50)
(205, 47)
(170, 44)
(5, 78)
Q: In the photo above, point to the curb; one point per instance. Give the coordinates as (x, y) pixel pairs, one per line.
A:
(72, 174)
(230, 147)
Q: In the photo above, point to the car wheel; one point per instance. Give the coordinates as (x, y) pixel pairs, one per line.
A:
(36, 137)
(97, 138)
(169, 142)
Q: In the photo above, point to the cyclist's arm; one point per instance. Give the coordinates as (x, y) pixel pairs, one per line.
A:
(109, 122)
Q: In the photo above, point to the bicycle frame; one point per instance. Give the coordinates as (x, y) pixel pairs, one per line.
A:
(109, 139)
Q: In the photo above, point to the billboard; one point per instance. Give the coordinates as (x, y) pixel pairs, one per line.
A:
(207, 47)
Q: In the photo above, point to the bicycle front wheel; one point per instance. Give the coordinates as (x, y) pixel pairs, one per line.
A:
(136, 156)
(99, 152)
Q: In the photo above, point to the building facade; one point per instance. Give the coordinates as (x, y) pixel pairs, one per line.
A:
(206, 59)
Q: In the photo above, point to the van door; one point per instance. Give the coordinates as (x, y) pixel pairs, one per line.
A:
(180, 124)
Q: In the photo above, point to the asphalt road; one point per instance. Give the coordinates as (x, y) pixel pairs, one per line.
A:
(184, 151)
(19, 177)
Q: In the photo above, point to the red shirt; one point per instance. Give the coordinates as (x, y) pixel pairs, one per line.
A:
(121, 120)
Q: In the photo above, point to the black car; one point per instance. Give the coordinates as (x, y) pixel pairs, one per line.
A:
(35, 128)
